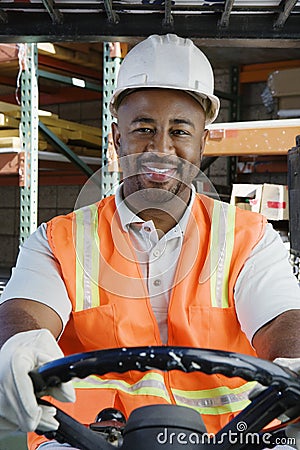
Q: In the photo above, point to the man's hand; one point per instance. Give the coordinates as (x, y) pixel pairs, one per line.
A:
(18, 405)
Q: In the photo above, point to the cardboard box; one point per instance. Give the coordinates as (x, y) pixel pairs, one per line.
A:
(284, 83)
(284, 86)
(288, 107)
(271, 200)
(292, 102)
(275, 202)
(246, 196)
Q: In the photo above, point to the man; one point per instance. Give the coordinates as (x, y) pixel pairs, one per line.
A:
(156, 264)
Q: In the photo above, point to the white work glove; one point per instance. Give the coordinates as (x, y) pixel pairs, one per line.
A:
(291, 363)
(292, 431)
(18, 405)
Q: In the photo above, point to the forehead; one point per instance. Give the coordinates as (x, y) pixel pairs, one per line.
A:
(161, 101)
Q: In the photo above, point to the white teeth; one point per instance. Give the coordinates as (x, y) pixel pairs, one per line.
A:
(156, 170)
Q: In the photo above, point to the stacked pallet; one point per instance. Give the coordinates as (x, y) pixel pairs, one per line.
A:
(88, 55)
(83, 54)
(82, 139)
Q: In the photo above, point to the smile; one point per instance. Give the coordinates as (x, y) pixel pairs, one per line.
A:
(158, 173)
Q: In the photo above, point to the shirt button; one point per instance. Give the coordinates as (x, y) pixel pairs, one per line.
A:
(156, 253)
(157, 283)
(148, 229)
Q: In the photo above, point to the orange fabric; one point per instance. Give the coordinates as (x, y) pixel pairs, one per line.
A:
(123, 321)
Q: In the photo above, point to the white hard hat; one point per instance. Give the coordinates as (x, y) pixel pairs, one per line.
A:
(168, 62)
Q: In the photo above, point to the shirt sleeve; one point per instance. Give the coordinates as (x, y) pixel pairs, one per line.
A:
(266, 286)
(37, 276)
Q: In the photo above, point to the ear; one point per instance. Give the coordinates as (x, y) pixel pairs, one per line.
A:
(203, 141)
(116, 136)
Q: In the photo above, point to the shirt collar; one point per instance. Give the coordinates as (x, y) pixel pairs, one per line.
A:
(128, 217)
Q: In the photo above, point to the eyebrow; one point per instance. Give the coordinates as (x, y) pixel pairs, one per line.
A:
(143, 119)
(172, 121)
(184, 121)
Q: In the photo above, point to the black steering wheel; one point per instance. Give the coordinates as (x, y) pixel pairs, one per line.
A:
(282, 393)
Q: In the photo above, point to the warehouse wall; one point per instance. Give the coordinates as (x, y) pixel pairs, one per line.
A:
(52, 201)
(252, 107)
(87, 113)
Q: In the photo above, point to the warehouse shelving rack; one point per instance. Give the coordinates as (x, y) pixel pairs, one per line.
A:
(30, 127)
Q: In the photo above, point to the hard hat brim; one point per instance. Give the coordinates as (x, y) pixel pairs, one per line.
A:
(211, 111)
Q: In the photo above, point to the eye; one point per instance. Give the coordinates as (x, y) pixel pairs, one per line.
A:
(180, 133)
(144, 130)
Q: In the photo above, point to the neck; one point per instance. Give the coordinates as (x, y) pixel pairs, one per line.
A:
(164, 215)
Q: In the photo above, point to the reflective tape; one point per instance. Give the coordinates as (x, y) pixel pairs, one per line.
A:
(150, 384)
(221, 248)
(215, 401)
(87, 257)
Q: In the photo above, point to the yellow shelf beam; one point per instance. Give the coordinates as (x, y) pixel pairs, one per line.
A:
(266, 137)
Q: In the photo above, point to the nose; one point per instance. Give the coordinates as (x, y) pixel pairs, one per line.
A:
(162, 143)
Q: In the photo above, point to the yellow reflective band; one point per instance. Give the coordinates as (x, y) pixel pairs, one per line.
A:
(87, 258)
(214, 250)
(215, 401)
(151, 384)
(229, 250)
(221, 248)
(95, 256)
(79, 232)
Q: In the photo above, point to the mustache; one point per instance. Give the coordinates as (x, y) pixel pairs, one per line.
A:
(152, 158)
(133, 164)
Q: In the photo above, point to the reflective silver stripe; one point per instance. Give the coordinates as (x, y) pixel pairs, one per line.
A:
(209, 402)
(87, 263)
(222, 222)
(150, 384)
(217, 401)
(221, 247)
(87, 258)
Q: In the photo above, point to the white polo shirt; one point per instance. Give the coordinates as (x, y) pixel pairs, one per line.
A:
(265, 288)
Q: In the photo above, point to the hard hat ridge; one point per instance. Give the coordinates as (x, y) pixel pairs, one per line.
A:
(167, 62)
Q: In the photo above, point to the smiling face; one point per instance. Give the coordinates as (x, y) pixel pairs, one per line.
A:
(159, 139)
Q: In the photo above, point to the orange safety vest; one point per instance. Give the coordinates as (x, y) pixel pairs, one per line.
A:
(111, 307)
